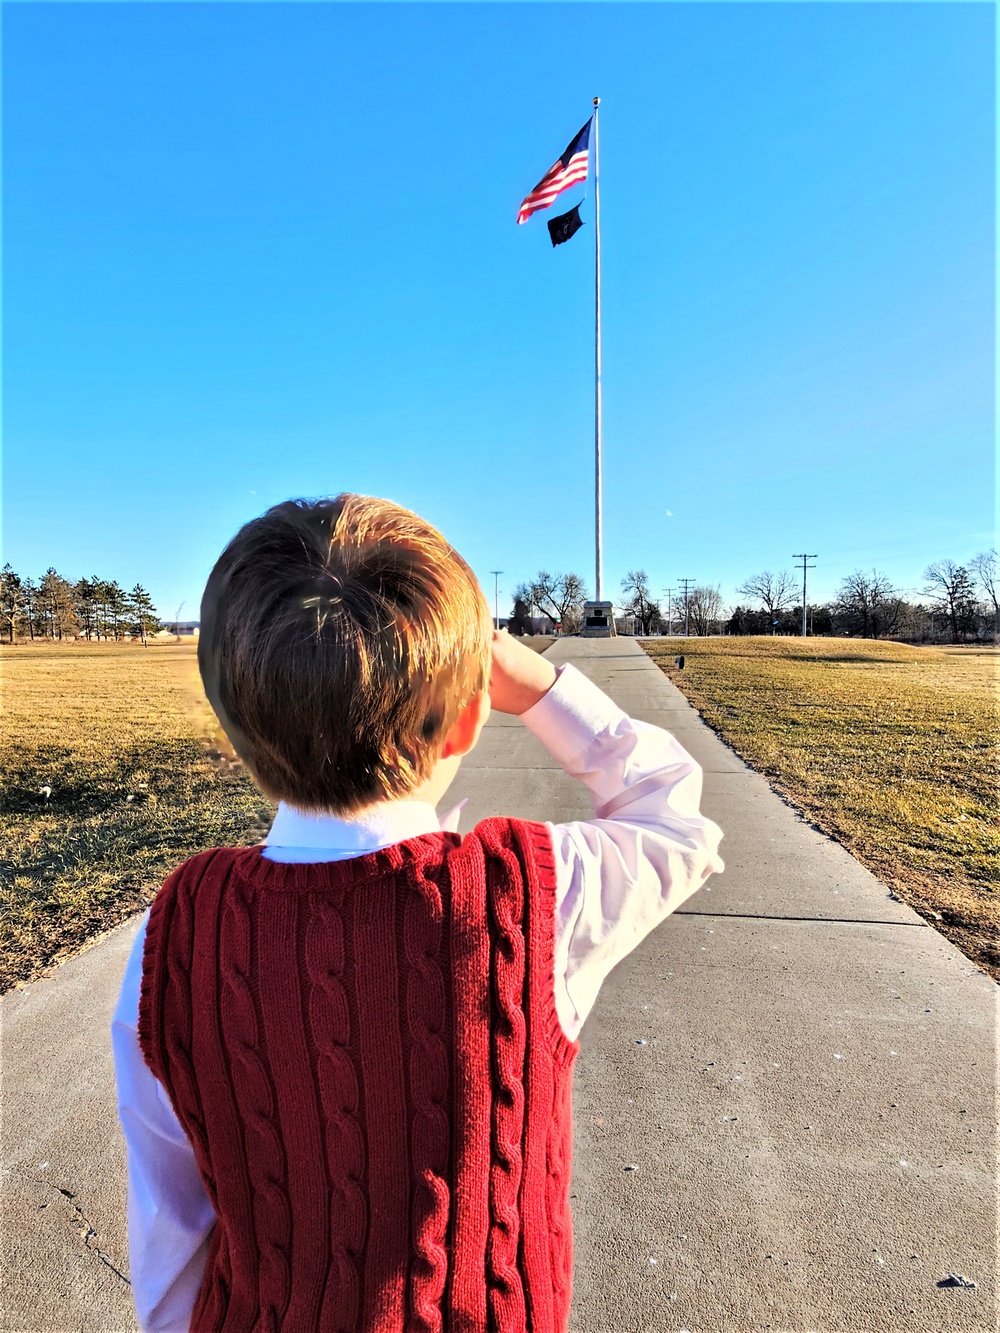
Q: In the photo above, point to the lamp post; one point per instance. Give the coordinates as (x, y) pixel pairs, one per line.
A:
(496, 597)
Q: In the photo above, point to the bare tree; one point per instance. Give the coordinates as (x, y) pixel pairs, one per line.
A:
(772, 591)
(868, 605)
(705, 606)
(560, 596)
(984, 567)
(639, 601)
(952, 588)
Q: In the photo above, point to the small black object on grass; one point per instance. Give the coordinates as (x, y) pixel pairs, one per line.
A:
(679, 662)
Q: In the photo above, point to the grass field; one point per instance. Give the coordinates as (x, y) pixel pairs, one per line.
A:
(119, 733)
(890, 749)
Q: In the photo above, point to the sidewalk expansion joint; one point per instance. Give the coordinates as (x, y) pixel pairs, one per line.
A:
(815, 920)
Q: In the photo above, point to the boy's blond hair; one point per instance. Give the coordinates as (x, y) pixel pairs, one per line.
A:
(340, 639)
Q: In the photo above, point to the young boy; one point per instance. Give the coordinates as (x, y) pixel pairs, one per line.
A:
(344, 1056)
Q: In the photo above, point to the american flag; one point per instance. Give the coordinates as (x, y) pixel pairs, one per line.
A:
(567, 171)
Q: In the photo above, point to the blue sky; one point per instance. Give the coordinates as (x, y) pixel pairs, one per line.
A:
(255, 251)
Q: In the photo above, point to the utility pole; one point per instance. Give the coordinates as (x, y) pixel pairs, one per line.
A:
(805, 566)
(687, 605)
(670, 607)
(496, 597)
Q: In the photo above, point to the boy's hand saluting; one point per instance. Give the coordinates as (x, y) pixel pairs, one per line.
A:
(520, 677)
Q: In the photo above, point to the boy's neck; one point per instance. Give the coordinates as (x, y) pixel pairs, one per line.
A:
(379, 825)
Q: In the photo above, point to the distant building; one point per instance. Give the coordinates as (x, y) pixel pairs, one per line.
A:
(170, 629)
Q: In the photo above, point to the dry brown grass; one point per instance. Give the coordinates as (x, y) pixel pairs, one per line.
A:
(122, 735)
(890, 749)
(139, 780)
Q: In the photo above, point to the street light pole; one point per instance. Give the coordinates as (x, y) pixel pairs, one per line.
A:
(496, 597)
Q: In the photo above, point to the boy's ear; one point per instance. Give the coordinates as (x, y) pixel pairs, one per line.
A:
(464, 731)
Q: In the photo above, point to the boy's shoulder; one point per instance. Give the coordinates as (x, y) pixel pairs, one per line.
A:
(192, 870)
(522, 841)
(500, 832)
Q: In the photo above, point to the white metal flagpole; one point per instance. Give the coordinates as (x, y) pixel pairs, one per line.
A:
(597, 358)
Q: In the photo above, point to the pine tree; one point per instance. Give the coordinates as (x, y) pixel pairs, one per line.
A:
(28, 621)
(99, 605)
(83, 600)
(59, 609)
(116, 602)
(11, 598)
(110, 608)
(142, 613)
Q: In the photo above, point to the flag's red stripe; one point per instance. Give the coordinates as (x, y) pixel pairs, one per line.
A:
(555, 186)
(558, 183)
(552, 184)
(534, 203)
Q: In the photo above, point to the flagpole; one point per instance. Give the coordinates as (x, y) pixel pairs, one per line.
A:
(597, 360)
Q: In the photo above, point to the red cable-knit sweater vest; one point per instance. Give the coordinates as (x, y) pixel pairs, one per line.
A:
(367, 1059)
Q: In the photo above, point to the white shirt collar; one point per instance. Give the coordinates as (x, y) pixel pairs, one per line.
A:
(369, 830)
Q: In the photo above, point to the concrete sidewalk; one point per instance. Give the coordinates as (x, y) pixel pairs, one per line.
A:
(784, 1102)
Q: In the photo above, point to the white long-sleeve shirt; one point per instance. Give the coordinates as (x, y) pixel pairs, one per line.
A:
(618, 876)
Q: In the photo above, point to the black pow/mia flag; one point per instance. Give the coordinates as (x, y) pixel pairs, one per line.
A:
(565, 225)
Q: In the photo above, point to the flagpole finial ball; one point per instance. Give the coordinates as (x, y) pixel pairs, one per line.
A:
(597, 101)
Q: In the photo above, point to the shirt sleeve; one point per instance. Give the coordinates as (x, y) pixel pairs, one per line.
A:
(170, 1216)
(647, 849)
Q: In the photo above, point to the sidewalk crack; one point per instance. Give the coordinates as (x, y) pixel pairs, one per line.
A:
(88, 1234)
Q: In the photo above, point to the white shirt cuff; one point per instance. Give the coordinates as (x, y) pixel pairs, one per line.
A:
(571, 715)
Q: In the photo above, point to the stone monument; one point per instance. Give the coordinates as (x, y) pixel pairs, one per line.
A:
(598, 620)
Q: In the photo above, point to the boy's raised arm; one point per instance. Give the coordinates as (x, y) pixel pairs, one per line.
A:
(647, 849)
(519, 677)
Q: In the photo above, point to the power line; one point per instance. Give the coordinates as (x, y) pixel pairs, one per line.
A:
(805, 566)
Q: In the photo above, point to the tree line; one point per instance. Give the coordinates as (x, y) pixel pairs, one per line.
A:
(53, 607)
(958, 603)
